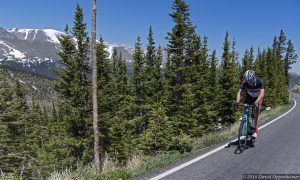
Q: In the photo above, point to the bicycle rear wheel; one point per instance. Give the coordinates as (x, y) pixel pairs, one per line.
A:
(243, 135)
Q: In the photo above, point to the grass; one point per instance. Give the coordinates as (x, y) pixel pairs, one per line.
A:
(137, 165)
(140, 164)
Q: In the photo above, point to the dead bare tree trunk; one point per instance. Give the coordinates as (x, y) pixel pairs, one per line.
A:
(22, 171)
(94, 82)
(2, 174)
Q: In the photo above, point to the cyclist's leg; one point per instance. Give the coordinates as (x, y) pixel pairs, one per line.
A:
(256, 115)
(250, 100)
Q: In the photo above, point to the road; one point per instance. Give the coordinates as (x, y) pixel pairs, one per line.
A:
(276, 151)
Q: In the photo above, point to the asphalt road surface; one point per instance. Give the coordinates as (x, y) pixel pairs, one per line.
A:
(276, 151)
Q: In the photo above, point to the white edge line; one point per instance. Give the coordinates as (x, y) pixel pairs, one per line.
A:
(213, 151)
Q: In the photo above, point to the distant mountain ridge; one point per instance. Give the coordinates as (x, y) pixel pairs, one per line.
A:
(295, 80)
(35, 50)
(41, 35)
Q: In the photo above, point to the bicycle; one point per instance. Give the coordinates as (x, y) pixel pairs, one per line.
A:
(246, 128)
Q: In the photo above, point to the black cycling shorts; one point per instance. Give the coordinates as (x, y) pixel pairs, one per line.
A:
(251, 100)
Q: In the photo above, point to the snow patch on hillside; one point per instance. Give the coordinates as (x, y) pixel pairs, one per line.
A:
(52, 34)
(109, 48)
(13, 52)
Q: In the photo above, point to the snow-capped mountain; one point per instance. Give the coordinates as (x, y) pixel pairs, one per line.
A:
(49, 35)
(125, 50)
(30, 50)
(36, 50)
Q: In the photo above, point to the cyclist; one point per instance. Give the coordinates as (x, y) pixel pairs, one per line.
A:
(254, 87)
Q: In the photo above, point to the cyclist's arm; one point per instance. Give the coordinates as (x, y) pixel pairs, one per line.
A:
(261, 95)
(239, 95)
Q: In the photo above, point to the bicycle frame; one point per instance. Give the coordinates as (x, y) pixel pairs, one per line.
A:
(246, 116)
(244, 129)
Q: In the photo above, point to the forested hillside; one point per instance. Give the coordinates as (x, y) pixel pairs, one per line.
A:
(37, 87)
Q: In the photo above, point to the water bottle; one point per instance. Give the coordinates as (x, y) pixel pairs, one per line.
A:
(251, 127)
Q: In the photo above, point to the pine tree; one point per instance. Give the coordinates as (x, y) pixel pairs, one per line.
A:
(66, 53)
(158, 135)
(114, 61)
(73, 87)
(290, 58)
(124, 87)
(247, 61)
(150, 55)
(201, 78)
(106, 101)
(281, 46)
(181, 41)
(214, 89)
(260, 64)
(63, 86)
(36, 139)
(167, 74)
(270, 80)
(54, 112)
(121, 137)
(280, 86)
(159, 85)
(281, 52)
(138, 81)
(234, 71)
(121, 126)
(153, 76)
(168, 68)
(176, 47)
(58, 148)
(149, 74)
(213, 72)
(81, 85)
(227, 81)
(251, 58)
(11, 134)
(16, 148)
(245, 64)
(138, 76)
(20, 94)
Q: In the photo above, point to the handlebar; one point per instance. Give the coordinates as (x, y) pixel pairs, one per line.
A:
(242, 104)
(235, 105)
(262, 108)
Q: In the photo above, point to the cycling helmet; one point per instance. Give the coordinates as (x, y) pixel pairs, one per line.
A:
(250, 77)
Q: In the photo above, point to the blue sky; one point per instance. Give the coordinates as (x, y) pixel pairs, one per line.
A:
(251, 23)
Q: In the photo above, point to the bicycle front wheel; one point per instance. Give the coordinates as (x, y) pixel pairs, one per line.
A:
(243, 135)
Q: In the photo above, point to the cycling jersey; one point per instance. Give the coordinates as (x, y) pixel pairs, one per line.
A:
(253, 91)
